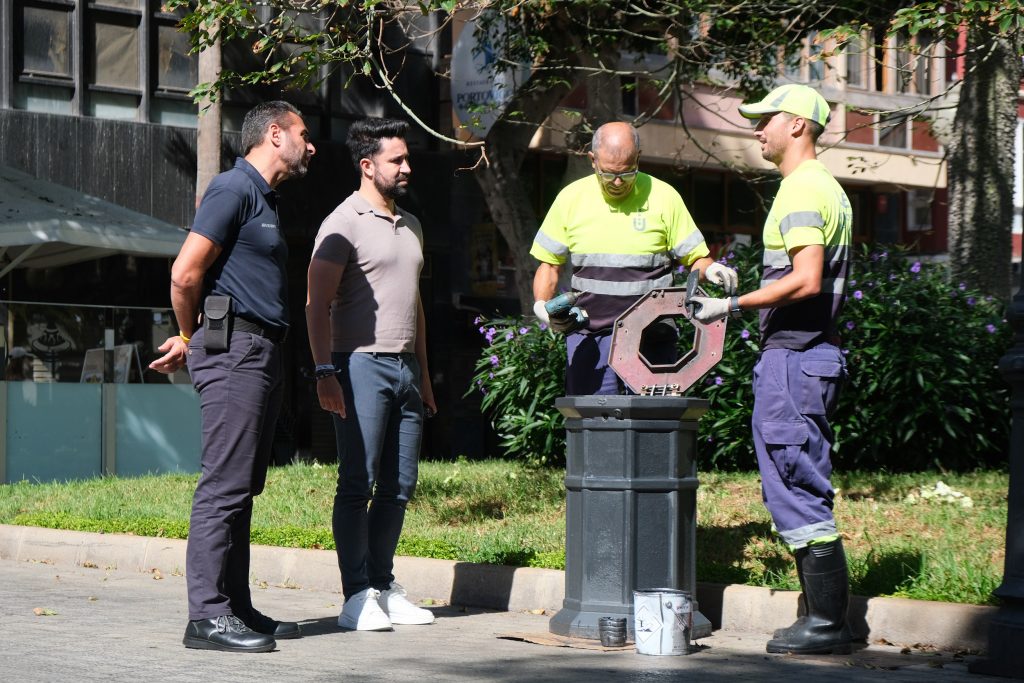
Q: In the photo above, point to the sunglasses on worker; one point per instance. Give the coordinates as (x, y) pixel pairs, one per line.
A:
(625, 176)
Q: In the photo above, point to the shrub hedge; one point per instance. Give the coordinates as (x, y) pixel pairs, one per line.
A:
(923, 392)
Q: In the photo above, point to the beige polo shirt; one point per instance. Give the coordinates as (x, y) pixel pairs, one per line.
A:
(374, 308)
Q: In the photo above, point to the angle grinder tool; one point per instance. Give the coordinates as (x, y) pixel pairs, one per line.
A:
(566, 317)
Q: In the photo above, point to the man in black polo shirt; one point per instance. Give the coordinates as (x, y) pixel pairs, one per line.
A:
(236, 250)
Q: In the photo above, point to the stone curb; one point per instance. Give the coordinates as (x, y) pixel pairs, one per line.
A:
(940, 625)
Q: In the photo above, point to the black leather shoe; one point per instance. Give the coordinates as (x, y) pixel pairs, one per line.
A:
(261, 623)
(226, 633)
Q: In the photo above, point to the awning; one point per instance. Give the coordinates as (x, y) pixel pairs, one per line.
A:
(43, 224)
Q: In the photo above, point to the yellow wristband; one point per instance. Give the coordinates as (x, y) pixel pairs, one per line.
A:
(183, 337)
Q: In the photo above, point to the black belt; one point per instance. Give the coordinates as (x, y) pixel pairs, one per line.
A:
(274, 334)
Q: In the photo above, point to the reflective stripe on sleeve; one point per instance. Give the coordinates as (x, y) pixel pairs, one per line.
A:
(555, 247)
(691, 242)
(801, 219)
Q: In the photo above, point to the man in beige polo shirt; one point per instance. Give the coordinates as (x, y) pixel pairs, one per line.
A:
(368, 338)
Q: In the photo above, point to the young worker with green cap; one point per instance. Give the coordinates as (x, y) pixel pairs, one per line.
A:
(807, 238)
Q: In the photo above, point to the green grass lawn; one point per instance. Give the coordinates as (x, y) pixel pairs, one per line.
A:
(898, 542)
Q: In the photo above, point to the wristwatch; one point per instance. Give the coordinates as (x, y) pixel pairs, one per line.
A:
(734, 307)
(324, 371)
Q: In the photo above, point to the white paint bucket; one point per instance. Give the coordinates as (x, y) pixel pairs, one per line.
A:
(662, 621)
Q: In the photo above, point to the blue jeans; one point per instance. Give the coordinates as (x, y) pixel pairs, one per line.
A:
(794, 393)
(378, 463)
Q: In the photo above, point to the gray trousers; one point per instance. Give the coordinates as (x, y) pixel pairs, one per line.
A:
(240, 392)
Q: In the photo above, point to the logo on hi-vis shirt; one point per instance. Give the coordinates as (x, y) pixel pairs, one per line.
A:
(639, 222)
(268, 225)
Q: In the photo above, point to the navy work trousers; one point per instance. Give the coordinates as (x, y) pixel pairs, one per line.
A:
(378, 463)
(794, 393)
(587, 371)
(240, 392)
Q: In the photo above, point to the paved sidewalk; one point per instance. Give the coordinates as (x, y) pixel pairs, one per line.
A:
(942, 626)
(96, 624)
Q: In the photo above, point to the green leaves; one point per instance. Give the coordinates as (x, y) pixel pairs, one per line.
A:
(923, 390)
(520, 372)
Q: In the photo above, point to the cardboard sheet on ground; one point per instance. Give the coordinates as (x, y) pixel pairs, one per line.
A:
(565, 641)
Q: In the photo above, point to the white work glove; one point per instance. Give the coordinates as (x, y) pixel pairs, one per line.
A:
(723, 276)
(541, 312)
(708, 310)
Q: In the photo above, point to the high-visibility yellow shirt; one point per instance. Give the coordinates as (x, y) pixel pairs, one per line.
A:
(811, 208)
(619, 250)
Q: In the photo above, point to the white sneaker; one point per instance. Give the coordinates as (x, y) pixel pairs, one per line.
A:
(362, 612)
(400, 610)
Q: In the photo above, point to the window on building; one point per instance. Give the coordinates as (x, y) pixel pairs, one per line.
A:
(46, 41)
(111, 39)
(892, 132)
(176, 69)
(128, 50)
(815, 63)
(919, 211)
(856, 63)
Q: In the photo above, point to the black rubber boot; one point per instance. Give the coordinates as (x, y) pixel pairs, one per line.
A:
(801, 608)
(824, 629)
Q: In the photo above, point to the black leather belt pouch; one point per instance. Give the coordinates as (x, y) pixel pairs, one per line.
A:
(217, 323)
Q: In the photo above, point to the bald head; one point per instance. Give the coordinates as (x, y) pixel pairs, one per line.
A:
(616, 142)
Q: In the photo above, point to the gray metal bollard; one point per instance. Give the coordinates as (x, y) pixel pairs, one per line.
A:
(631, 505)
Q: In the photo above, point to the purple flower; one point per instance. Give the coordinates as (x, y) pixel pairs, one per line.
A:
(962, 286)
(991, 328)
(490, 335)
(543, 326)
(745, 334)
(988, 298)
(850, 325)
(884, 254)
(718, 380)
(494, 360)
(509, 335)
(681, 269)
(858, 295)
(916, 268)
(711, 439)
(730, 256)
(482, 330)
(853, 283)
(971, 301)
(477, 320)
(523, 330)
(490, 375)
(892, 276)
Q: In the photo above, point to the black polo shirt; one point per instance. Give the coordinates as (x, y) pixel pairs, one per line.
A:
(239, 213)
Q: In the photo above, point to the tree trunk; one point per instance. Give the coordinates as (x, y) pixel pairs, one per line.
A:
(981, 155)
(511, 208)
(208, 138)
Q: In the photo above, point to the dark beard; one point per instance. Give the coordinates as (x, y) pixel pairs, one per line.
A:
(390, 190)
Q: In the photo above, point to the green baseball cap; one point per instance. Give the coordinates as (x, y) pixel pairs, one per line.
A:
(792, 98)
